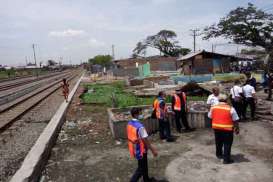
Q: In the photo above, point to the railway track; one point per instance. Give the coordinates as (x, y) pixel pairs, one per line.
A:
(12, 112)
(8, 96)
(22, 81)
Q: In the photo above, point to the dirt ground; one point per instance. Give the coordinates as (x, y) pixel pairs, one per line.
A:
(85, 151)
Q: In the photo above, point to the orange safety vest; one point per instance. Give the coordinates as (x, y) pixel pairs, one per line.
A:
(221, 117)
(158, 110)
(135, 144)
(177, 104)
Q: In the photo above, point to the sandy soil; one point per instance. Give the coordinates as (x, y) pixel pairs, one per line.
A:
(85, 151)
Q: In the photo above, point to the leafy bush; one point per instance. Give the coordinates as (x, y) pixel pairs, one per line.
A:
(113, 95)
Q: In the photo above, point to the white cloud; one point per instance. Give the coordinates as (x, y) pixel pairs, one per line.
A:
(95, 43)
(66, 33)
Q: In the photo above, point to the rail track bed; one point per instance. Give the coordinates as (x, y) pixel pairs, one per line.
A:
(8, 84)
(33, 115)
(15, 109)
(14, 93)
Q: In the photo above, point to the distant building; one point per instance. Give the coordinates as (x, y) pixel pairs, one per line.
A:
(204, 62)
(157, 63)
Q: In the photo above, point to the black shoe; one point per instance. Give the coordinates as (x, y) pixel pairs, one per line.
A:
(163, 138)
(230, 161)
(219, 156)
(170, 140)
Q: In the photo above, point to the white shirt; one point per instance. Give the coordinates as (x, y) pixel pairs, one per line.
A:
(248, 90)
(212, 100)
(233, 113)
(236, 91)
(142, 133)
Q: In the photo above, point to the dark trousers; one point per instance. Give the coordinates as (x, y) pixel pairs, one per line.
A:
(251, 102)
(181, 115)
(164, 129)
(238, 106)
(223, 139)
(142, 170)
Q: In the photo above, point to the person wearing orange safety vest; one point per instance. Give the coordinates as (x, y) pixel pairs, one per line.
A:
(179, 106)
(138, 145)
(224, 122)
(161, 111)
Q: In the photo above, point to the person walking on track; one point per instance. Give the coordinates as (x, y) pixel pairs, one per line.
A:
(65, 88)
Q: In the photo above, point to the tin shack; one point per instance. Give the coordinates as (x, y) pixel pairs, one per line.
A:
(204, 62)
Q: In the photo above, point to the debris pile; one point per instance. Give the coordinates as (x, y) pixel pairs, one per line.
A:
(126, 115)
(198, 107)
(193, 89)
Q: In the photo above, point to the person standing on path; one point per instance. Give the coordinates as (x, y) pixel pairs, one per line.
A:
(139, 145)
(65, 87)
(251, 80)
(161, 113)
(179, 107)
(224, 123)
(213, 98)
(237, 96)
(250, 99)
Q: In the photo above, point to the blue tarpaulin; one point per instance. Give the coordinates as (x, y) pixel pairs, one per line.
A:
(196, 78)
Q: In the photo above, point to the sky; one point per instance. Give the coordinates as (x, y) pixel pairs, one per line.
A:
(75, 30)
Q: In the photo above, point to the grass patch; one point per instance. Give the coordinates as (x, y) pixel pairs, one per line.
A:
(228, 77)
(113, 95)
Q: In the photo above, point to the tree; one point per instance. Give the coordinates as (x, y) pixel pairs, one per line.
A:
(245, 25)
(165, 41)
(103, 60)
(51, 63)
(183, 51)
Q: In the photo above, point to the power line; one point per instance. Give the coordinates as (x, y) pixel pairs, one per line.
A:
(195, 34)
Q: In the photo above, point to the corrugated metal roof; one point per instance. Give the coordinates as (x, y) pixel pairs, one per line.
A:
(192, 54)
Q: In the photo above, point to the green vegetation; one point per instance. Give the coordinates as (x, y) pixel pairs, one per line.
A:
(164, 41)
(228, 77)
(113, 95)
(250, 26)
(103, 60)
(11, 73)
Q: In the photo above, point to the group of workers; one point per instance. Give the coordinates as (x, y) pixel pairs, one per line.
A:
(178, 109)
(241, 97)
(224, 121)
(138, 142)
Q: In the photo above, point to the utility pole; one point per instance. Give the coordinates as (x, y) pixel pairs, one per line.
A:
(113, 52)
(195, 34)
(34, 55)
